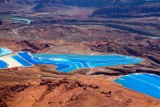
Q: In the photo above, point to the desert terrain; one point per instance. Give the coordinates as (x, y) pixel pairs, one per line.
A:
(72, 27)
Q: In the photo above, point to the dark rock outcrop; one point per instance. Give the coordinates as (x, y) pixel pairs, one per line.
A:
(0, 22)
(32, 47)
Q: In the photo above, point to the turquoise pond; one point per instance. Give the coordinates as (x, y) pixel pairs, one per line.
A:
(67, 62)
(70, 62)
(4, 51)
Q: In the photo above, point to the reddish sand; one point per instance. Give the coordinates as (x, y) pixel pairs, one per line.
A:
(73, 91)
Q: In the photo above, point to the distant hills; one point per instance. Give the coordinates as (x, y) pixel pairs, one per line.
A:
(146, 10)
(111, 8)
(105, 8)
(84, 3)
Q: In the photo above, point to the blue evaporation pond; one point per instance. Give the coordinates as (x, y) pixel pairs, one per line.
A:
(148, 84)
(4, 51)
(1, 50)
(3, 64)
(70, 62)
